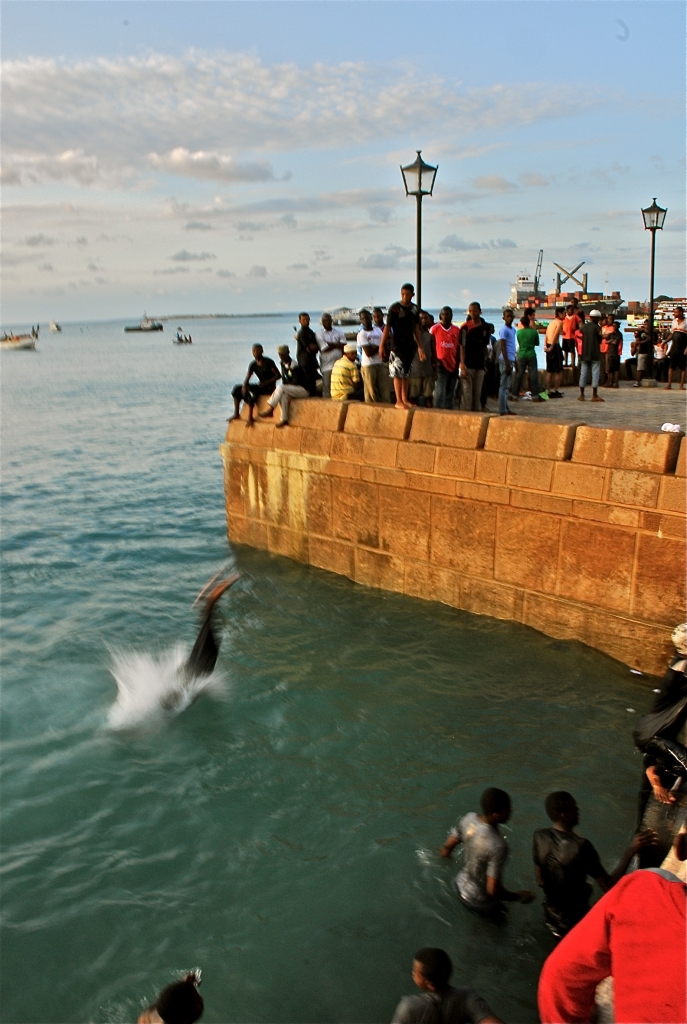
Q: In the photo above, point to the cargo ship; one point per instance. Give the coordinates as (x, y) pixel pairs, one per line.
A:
(526, 294)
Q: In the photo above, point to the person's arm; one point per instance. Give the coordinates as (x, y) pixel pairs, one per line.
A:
(647, 837)
(504, 353)
(385, 337)
(422, 355)
(449, 846)
(461, 341)
(247, 378)
(663, 795)
(274, 378)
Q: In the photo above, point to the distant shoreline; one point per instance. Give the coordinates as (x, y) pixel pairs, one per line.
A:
(215, 316)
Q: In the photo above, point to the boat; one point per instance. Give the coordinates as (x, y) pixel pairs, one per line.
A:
(55, 327)
(527, 294)
(182, 339)
(146, 325)
(347, 316)
(18, 341)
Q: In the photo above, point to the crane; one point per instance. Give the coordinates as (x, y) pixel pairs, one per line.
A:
(537, 273)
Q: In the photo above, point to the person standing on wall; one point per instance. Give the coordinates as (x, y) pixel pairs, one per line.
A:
(421, 383)
(402, 334)
(330, 341)
(447, 343)
(506, 361)
(590, 356)
(306, 353)
(372, 367)
(554, 354)
(475, 338)
(528, 340)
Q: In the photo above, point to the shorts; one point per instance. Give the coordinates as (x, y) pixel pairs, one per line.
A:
(642, 361)
(568, 345)
(677, 360)
(421, 387)
(554, 360)
(398, 368)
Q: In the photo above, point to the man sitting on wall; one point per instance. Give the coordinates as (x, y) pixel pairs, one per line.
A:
(267, 373)
(291, 386)
(347, 385)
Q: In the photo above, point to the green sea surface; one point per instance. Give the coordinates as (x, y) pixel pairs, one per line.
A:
(281, 831)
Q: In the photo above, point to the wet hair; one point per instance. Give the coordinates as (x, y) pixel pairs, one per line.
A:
(283, 350)
(556, 804)
(181, 1003)
(436, 965)
(408, 287)
(494, 801)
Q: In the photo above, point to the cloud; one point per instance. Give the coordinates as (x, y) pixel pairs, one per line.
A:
(34, 241)
(458, 243)
(502, 243)
(46, 266)
(184, 256)
(225, 273)
(18, 168)
(197, 225)
(535, 180)
(379, 261)
(171, 270)
(209, 166)
(257, 271)
(81, 240)
(297, 266)
(93, 266)
(494, 183)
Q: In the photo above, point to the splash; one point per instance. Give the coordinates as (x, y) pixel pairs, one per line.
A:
(152, 686)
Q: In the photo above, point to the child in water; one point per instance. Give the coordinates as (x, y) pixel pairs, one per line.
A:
(179, 1003)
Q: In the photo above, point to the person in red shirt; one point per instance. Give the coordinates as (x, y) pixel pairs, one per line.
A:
(447, 341)
(570, 325)
(636, 935)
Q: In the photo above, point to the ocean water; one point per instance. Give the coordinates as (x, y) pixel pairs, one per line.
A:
(279, 827)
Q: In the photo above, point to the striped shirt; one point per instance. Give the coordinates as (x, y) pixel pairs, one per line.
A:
(345, 379)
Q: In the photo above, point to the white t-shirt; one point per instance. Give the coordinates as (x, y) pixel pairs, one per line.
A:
(327, 359)
(485, 855)
(372, 337)
(679, 325)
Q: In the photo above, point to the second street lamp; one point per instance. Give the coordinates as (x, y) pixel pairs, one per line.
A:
(654, 216)
(418, 179)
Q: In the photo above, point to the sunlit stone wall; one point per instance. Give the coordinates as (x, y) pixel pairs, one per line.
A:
(576, 531)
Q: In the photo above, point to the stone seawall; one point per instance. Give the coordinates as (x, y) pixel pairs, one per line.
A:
(574, 530)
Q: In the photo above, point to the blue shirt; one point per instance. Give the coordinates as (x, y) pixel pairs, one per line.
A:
(508, 335)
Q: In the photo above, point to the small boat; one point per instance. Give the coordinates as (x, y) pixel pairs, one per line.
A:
(183, 339)
(18, 341)
(55, 327)
(146, 325)
(347, 316)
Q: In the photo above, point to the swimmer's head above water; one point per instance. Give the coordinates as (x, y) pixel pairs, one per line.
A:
(179, 1003)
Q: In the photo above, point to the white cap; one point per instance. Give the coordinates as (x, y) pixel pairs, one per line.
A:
(350, 348)
(595, 312)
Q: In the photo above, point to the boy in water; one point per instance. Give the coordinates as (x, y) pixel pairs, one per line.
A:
(479, 884)
(432, 969)
(179, 1003)
(563, 860)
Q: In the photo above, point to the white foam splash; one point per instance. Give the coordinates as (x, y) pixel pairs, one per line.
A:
(151, 686)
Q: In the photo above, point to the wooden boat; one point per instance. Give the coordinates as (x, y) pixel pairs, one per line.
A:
(55, 327)
(18, 341)
(146, 325)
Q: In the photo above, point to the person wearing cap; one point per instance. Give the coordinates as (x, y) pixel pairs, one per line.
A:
(590, 356)
(347, 384)
(292, 385)
(179, 1003)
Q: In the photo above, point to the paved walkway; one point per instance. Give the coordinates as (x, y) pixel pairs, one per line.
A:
(628, 407)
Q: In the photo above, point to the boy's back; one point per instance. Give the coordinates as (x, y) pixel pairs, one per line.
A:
(565, 860)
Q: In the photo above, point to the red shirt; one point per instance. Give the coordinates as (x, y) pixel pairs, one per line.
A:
(447, 342)
(570, 325)
(636, 933)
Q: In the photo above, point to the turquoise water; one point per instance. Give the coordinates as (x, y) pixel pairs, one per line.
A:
(281, 831)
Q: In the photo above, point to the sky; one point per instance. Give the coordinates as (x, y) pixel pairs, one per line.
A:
(210, 156)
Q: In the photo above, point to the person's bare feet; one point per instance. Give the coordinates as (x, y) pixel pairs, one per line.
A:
(282, 423)
(668, 387)
(400, 405)
(580, 398)
(249, 423)
(597, 398)
(681, 388)
(266, 414)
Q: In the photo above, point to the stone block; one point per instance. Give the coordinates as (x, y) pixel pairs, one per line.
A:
(431, 583)
(430, 484)
(318, 414)
(287, 440)
(318, 501)
(349, 470)
(649, 521)
(578, 481)
(535, 474)
(404, 523)
(290, 543)
(642, 645)
(484, 597)
(482, 492)
(380, 451)
(259, 435)
(247, 531)
(596, 564)
(602, 513)
(375, 569)
(627, 449)
(390, 477)
(491, 467)
(333, 555)
(367, 473)
(659, 583)
(681, 464)
(374, 419)
(672, 496)
(535, 438)
(417, 457)
(527, 549)
(355, 512)
(462, 535)
(456, 462)
(672, 526)
(446, 427)
(348, 447)
(627, 487)
(316, 442)
(564, 620)
(541, 502)
(235, 485)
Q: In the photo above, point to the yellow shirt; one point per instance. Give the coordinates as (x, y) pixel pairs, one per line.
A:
(345, 378)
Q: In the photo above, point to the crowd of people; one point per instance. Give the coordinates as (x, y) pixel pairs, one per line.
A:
(410, 360)
(622, 960)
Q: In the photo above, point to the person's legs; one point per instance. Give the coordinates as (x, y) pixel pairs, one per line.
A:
(326, 383)
(585, 371)
(517, 378)
(504, 384)
(368, 383)
(272, 401)
(534, 376)
(237, 395)
(466, 391)
(477, 379)
(289, 392)
(596, 375)
(381, 379)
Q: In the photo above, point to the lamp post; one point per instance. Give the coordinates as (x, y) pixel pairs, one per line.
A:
(654, 216)
(418, 179)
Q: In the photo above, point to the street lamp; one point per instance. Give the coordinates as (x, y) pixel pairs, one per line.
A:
(654, 216)
(418, 179)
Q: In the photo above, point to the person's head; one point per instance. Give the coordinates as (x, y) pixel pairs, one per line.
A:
(350, 352)
(304, 319)
(679, 638)
(257, 351)
(474, 311)
(179, 1003)
(570, 309)
(581, 314)
(432, 969)
(526, 318)
(562, 809)
(560, 313)
(366, 319)
(425, 319)
(378, 317)
(508, 316)
(495, 804)
(679, 312)
(326, 321)
(445, 316)
(407, 292)
(595, 316)
(284, 353)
